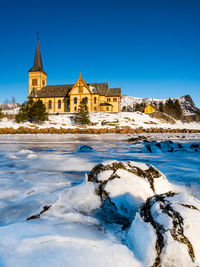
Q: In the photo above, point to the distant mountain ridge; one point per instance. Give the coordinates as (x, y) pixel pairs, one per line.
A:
(186, 102)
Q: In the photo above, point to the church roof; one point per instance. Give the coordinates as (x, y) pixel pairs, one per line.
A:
(54, 91)
(37, 64)
(63, 90)
(99, 88)
(114, 92)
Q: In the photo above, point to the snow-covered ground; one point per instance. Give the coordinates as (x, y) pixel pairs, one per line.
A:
(104, 120)
(50, 173)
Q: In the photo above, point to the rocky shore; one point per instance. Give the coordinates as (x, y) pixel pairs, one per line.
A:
(84, 130)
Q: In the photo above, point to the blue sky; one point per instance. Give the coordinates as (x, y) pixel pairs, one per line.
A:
(151, 48)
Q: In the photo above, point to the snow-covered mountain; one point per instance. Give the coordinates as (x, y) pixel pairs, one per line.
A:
(186, 102)
(10, 108)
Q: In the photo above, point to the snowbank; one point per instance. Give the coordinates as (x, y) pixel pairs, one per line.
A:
(101, 120)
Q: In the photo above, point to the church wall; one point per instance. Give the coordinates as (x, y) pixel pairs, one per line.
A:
(115, 102)
(54, 104)
(79, 94)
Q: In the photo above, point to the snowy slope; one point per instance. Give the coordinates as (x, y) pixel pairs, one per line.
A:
(103, 120)
(186, 102)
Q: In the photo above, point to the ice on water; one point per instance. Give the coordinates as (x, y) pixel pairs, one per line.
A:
(38, 171)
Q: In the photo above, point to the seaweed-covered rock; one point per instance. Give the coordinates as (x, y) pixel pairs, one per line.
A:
(168, 146)
(85, 148)
(126, 185)
(163, 146)
(166, 231)
(195, 147)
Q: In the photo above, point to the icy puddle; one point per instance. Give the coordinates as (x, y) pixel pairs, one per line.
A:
(51, 215)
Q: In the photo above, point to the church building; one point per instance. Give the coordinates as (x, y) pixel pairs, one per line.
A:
(66, 98)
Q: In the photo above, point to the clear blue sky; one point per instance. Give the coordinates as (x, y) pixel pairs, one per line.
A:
(151, 48)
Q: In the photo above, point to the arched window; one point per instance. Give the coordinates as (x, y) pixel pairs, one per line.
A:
(50, 104)
(75, 100)
(86, 99)
(59, 103)
(95, 100)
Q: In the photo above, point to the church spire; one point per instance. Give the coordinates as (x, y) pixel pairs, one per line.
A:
(37, 64)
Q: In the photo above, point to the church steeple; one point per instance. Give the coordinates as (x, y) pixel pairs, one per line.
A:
(37, 64)
(37, 75)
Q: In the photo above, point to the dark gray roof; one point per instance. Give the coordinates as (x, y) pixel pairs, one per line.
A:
(54, 91)
(37, 64)
(105, 104)
(63, 90)
(98, 88)
(114, 92)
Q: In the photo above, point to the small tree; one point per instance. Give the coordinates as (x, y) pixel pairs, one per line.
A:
(178, 111)
(160, 107)
(82, 117)
(23, 113)
(33, 111)
(38, 112)
(1, 114)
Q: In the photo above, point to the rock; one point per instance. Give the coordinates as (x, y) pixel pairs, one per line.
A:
(85, 148)
(195, 147)
(136, 139)
(163, 146)
(166, 231)
(124, 186)
(37, 216)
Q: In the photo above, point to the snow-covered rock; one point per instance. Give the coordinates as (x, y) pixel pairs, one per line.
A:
(126, 185)
(166, 231)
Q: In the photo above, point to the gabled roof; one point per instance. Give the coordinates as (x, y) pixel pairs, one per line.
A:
(114, 92)
(37, 64)
(80, 79)
(64, 90)
(99, 88)
(54, 91)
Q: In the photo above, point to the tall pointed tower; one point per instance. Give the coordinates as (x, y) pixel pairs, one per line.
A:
(37, 75)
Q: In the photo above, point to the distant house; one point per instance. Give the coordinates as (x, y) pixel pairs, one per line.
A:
(149, 109)
(66, 98)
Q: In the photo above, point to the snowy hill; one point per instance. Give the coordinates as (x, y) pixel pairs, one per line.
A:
(186, 102)
(10, 108)
(104, 121)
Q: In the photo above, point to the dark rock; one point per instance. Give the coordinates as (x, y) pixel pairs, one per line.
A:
(37, 216)
(85, 148)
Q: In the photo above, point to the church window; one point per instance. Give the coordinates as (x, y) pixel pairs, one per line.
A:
(114, 99)
(107, 109)
(86, 99)
(108, 99)
(43, 82)
(50, 104)
(59, 103)
(34, 82)
(95, 100)
(95, 109)
(80, 90)
(75, 100)
(75, 109)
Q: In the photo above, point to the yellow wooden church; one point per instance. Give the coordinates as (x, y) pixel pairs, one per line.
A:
(66, 98)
